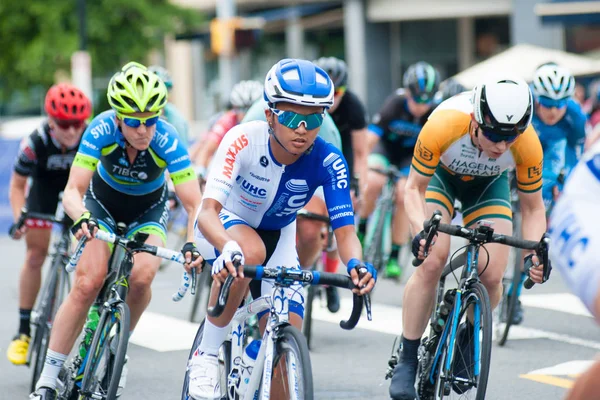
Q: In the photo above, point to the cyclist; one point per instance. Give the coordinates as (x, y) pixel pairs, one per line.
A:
(349, 115)
(464, 151)
(574, 234)
(170, 113)
(560, 124)
(393, 132)
(45, 156)
(120, 167)
(311, 235)
(265, 172)
(243, 95)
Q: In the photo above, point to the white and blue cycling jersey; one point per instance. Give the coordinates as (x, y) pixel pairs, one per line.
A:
(247, 180)
(574, 234)
(102, 150)
(562, 144)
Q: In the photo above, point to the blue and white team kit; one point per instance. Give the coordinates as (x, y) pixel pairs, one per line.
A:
(257, 191)
(574, 222)
(562, 144)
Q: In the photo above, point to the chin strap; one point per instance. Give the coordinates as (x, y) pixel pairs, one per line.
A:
(272, 133)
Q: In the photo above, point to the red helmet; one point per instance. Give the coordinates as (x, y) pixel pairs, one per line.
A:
(65, 101)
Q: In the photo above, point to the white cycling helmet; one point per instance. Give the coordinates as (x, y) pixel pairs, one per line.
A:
(553, 82)
(298, 82)
(245, 93)
(503, 106)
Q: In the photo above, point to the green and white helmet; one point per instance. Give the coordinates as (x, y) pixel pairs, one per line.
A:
(135, 89)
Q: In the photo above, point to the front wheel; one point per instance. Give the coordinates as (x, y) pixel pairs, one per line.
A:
(106, 356)
(473, 383)
(293, 370)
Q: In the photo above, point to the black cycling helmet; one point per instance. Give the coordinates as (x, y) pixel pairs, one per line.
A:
(451, 87)
(423, 81)
(335, 68)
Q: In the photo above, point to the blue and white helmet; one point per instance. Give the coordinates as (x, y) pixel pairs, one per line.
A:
(553, 82)
(298, 82)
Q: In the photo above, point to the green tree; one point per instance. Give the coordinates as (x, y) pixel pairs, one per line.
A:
(37, 37)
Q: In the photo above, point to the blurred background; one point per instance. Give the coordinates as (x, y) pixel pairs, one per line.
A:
(208, 45)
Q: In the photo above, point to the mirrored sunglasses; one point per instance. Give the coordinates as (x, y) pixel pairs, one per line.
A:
(135, 122)
(293, 120)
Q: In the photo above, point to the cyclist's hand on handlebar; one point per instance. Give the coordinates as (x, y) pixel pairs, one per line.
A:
(85, 225)
(193, 259)
(418, 245)
(364, 276)
(536, 273)
(17, 234)
(223, 265)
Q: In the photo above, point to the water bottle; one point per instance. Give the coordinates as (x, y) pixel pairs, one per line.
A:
(89, 328)
(248, 360)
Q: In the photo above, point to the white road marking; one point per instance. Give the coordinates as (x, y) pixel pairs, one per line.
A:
(569, 368)
(164, 333)
(563, 302)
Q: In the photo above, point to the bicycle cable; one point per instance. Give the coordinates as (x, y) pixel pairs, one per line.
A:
(452, 258)
(488, 261)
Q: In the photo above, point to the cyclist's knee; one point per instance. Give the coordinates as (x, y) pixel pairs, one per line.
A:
(35, 256)
(142, 279)
(431, 269)
(309, 232)
(492, 277)
(375, 183)
(400, 191)
(86, 288)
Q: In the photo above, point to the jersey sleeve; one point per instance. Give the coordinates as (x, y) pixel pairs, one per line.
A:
(27, 156)
(528, 155)
(382, 119)
(98, 134)
(336, 187)
(177, 158)
(427, 153)
(226, 164)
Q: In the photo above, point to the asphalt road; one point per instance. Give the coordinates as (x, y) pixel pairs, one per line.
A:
(541, 359)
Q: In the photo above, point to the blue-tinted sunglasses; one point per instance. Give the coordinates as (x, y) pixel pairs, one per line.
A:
(293, 120)
(551, 103)
(135, 122)
(498, 137)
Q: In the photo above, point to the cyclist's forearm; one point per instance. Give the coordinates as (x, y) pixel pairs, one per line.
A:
(534, 223)
(416, 209)
(73, 202)
(16, 195)
(211, 227)
(205, 153)
(348, 244)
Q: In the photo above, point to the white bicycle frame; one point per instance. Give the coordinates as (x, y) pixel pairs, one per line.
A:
(264, 359)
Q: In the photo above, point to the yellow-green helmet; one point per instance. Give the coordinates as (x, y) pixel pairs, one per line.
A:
(135, 89)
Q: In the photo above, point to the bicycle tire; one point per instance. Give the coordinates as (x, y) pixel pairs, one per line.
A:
(200, 300)
(509, 303)
(41, 338)
(101, 347)
(374, 253)
(480, 293)
(307, 321)
(290, 340)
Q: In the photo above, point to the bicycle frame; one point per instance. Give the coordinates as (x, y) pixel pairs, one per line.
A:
(264, 359)
(469, 275)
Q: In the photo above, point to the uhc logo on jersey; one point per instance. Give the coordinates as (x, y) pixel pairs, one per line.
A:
(252, 190)
(238, 145)
(336, 167)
